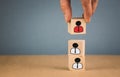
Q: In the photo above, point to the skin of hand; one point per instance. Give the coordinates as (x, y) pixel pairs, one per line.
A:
(89, 7)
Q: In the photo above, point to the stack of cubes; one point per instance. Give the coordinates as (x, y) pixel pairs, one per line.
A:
(76, 48)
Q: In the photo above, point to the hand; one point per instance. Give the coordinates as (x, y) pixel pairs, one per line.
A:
(89, 7)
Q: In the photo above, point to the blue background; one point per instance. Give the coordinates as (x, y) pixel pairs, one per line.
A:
(38, 27)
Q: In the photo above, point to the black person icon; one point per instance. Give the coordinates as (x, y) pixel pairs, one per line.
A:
(77, 64)
(75, 50)
(78, 28)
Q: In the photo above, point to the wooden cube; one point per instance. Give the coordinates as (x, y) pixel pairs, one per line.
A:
(77, 26)
(76, 47)
(76, 62)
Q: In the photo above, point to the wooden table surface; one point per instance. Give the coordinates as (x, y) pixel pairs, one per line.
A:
(56, 66)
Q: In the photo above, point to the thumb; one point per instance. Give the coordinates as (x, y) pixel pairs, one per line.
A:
(87, 8)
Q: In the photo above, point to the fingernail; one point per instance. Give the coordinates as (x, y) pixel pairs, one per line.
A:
(67, 19)
(87, 20)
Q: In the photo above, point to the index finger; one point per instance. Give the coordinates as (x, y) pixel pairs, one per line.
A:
(66, 8)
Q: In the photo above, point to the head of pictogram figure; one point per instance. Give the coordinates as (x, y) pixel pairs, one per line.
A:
(77, 60)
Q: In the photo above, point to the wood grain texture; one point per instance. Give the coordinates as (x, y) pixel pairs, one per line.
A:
(56, 66)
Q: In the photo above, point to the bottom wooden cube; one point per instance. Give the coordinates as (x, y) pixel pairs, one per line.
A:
(76, 62)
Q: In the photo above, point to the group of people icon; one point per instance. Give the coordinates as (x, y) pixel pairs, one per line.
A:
(75, 51)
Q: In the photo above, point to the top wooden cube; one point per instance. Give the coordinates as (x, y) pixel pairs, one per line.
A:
(77, 26)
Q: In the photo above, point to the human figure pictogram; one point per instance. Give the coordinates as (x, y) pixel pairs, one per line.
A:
(77, 64)
(75, 49)
(78, 28)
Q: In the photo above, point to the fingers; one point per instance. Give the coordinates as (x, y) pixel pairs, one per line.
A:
(94, 5)
(87, 8)
(66, 8)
